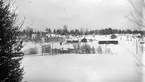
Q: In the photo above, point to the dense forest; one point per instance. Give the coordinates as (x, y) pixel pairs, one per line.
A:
(64, 31)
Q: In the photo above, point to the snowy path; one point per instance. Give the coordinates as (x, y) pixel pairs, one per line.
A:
(121, 67)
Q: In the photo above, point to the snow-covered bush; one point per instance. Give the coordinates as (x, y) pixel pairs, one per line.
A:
(93, 50)
(113, 36)
(109, 51)
(83, 48)
(46, 48)
(140, 49)
(76, 48)
(32, 51)
(99, 50)
(86, 49)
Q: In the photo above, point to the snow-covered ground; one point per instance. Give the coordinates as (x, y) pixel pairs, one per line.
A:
(121, 66)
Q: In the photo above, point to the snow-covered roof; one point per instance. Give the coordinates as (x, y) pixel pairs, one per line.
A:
(64, 46)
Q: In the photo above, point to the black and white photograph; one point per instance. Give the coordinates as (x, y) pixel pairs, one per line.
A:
(72, 40)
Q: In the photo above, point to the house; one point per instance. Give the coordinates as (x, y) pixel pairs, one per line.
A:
(72, 41)
(84, 40)
(108, 41)
(62, 48)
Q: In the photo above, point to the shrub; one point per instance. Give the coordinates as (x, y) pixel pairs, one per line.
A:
(109, 51)
(93, 50)
(86, 49)
(99, 50)
(141, 49)
(46, 48)
(77, 48)
(113, 36)
(32, 51)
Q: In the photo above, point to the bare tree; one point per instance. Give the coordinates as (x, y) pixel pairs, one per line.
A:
(137, 15)
(138, 18)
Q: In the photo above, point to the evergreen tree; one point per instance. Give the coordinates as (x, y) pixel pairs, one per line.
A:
(48, 30)
(54, 31)
(65, 30)
(72, 32)
(77, 32)
(37, 38)
(29, 32)
(10, 46)
(59, 31)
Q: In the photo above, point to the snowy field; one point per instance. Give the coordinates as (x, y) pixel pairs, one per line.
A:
(122, 66)
(82, 68)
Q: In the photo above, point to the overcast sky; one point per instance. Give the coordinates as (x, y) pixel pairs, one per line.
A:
(91, 14)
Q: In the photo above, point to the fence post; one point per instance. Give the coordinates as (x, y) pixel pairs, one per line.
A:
(41, 49)
(105, 48)
(52, 48)
(136, 46)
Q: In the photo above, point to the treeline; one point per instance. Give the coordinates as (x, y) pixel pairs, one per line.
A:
(29, 34)
(65, 31)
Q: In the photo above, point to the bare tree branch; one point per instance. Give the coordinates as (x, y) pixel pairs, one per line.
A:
(139, 13)
(22, 23)
(136, 10)
(139, 21)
